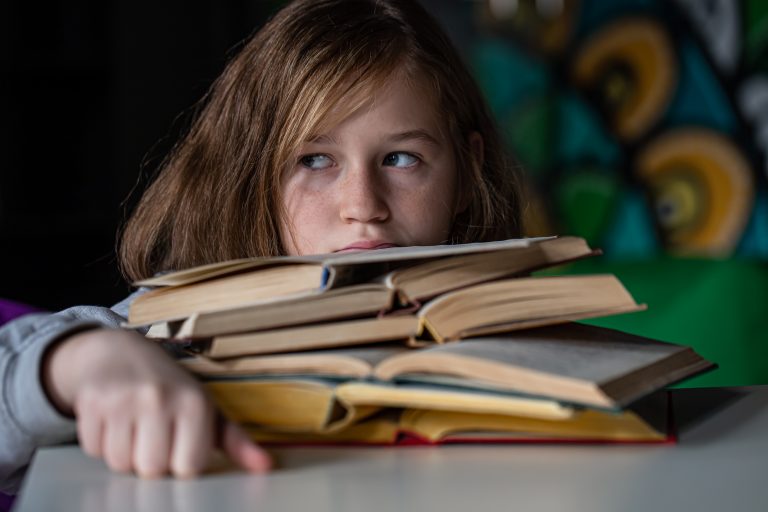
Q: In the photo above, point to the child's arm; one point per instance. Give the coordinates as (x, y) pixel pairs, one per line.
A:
(137, 408)
(28, 419)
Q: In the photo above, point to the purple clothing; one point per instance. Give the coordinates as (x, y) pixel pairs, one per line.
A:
(10, 310)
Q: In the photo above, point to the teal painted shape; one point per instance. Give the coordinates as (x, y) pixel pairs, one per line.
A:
(632, 234)
(506, 75)
(595, 14)
(581, 136)
(754, 243)
(700, 98)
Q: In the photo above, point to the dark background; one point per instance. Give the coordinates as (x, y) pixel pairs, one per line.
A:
(92, 96)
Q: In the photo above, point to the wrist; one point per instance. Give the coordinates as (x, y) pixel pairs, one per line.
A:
(62, 367)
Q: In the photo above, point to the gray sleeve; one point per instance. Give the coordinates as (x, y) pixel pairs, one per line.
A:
(27, 417)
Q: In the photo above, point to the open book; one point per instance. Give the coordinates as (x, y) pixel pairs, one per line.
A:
(548, 374)
(647, 421)
(497, 306)
(412, 273)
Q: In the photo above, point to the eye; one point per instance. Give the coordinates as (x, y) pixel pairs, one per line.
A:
(400, 160)
(316, 162)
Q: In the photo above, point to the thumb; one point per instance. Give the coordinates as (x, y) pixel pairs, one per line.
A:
(244, 452)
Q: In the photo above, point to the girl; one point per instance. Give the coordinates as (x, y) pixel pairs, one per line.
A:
(342, 125)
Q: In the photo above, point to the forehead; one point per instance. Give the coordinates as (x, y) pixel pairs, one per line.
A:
(400, 101)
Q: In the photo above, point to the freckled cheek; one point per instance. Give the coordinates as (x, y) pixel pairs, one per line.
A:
(307, 206)
(306, 216)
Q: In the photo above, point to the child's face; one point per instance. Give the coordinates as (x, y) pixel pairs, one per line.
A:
(383, 177)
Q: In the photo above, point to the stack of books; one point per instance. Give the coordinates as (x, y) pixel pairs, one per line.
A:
(418, 345)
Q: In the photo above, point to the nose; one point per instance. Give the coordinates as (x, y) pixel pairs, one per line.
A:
(362, 198)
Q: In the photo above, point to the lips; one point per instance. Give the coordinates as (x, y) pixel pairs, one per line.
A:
(367, 245)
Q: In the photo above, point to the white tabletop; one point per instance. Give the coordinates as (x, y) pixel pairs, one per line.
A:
(720, 464)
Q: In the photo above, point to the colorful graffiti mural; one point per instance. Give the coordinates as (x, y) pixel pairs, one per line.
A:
(641, 124)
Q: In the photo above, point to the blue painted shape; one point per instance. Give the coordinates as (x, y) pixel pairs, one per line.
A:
(632, 234)
(700, 98)
(506, 74)
(581, 135)
(754, 243)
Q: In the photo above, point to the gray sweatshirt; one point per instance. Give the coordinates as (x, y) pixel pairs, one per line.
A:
(27, 417)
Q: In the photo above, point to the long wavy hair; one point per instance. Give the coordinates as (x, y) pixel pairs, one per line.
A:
(217, 195)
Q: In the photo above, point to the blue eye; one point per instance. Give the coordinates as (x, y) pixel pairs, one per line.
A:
(400, 160)
(316, 162)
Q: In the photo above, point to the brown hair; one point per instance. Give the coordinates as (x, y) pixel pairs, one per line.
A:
(217, 195)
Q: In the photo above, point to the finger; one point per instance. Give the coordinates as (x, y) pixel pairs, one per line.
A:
(117, 445)
(152, 446)
(244, 452)
(89, 434)
(193, 440)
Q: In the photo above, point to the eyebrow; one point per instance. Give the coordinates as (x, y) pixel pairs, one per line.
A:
(414, 135)
(323, 139)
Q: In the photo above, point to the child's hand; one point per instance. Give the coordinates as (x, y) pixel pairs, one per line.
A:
(138, 409)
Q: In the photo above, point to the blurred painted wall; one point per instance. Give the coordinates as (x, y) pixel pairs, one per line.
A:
(642, 125)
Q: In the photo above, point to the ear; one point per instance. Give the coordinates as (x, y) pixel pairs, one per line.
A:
(477, 158)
